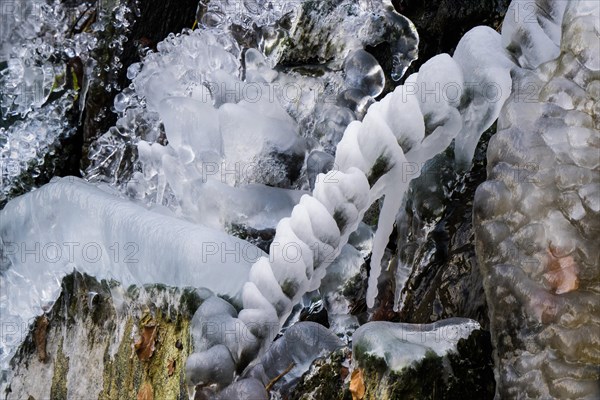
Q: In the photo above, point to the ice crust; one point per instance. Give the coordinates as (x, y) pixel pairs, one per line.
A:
(46, 234)
(536, 223)
(399, 345)
(188, 132)
(301, 344)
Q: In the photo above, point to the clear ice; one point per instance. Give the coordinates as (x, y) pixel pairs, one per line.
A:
(536, 217)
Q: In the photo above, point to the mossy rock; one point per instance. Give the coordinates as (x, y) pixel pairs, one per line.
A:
(102, 341)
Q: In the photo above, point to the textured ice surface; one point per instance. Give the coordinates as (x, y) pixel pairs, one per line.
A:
(328, 30)
(244, 389)
(364, 72)
(486, 67)
(70, 224)
(400, 345)
(301, 344)
(24, 144)
(536, 217)
(208, 65)
(42, 46)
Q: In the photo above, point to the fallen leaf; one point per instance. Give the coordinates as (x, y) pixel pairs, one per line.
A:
(171, 367)
(562, 275)
(145, 346)
(146, 392)
(41, 330)
(357, 385)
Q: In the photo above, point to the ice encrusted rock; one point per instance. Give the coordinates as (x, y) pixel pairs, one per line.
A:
(536, 223)
(244, 389)
(294, 352)
(399, 345)
(70, 224)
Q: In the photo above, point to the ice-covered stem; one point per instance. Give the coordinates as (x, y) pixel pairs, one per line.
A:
(370, 163)
(377, 157)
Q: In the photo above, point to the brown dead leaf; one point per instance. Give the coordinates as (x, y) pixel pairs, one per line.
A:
(146, 392)
(562, 275)
(145, 346)
(357, 385)
(171, 367)
(41, 330)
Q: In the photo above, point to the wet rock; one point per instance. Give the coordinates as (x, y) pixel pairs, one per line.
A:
(443, 278)
(464, 373)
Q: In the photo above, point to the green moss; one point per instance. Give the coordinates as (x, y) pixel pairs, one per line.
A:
(465, 374)
(58, 390)
(189, 302)
(340, 219)
(125, 373)
(325, 380)
(289, 288)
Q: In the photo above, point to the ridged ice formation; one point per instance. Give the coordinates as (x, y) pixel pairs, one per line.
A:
(370, 162)
(537, 216)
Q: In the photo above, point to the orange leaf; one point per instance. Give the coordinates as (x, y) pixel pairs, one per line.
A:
(146, 392)
(357, 385)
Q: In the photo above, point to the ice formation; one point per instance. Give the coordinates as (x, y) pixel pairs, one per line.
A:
(399, 345)
(294, 352)
(206, 130)
(536, 217)
(42, 46)
(370, 162)
(24, 144)
(51, 227)
(446, 100)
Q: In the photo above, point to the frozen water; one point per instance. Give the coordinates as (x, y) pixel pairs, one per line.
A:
(318, 162)
(43, 44)
(536, 230)
(400, 345)
(244, 389)
(214, 365)
(301, 344)
(46, 234)
(364, 72)
(486, 67)
(24, 145)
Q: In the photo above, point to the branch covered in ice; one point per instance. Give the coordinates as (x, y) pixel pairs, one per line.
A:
(420, 118)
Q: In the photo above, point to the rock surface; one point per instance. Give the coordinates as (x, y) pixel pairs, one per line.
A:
(103, 341)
